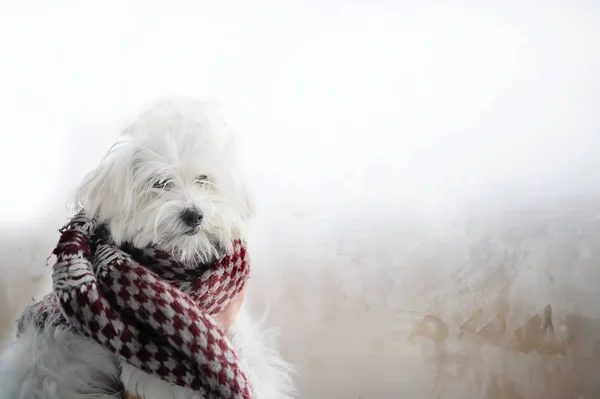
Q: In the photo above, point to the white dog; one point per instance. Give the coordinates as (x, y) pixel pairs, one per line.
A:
(170, 181)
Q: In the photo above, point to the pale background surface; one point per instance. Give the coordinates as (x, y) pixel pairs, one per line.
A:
(426, 174)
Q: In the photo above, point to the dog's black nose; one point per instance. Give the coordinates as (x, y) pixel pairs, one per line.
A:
(191, 217)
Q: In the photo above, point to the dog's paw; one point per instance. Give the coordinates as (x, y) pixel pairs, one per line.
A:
(139, 384)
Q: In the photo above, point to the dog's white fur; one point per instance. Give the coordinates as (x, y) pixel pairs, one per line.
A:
(178, 155)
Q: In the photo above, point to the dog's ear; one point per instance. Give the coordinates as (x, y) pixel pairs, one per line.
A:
(245, 200)
(107, 191)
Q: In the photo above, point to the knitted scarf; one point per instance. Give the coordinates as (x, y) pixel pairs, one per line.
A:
(149, 310)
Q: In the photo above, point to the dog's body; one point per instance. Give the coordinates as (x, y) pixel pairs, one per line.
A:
(172, 183)
(54, 363)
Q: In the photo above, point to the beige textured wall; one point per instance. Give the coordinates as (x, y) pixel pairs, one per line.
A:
(23, 276)
(502, 304)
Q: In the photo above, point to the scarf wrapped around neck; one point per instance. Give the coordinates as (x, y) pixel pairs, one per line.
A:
(149, 310)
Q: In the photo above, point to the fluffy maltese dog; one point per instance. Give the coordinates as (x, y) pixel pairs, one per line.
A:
(181, 149)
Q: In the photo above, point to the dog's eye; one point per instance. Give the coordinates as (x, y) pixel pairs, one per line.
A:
(201, 179)
(162, 184)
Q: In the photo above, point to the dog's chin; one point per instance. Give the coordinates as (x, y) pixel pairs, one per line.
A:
(193, 246)
(192, 232)
(190, 246)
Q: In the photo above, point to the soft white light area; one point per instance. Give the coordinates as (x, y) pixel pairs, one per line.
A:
(412, 162)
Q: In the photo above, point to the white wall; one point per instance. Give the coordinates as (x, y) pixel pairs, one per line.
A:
(426, 173)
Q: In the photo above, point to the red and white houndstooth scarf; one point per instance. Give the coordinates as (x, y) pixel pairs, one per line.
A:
(147, 309)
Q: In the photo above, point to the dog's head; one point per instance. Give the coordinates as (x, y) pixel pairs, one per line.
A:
(171, 181)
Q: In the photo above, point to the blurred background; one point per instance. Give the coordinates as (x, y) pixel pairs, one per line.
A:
(426, 174)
